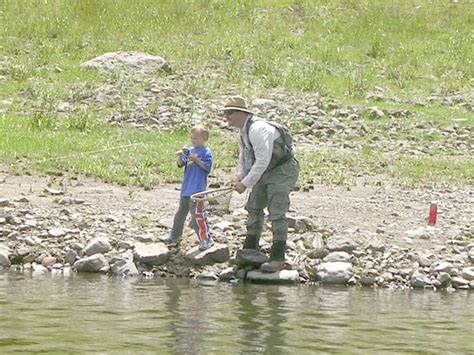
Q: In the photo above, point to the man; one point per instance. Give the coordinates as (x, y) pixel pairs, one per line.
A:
(269, 174)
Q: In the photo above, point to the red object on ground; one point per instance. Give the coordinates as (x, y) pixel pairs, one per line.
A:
(433, 213)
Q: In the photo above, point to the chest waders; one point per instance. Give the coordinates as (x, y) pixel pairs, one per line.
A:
(271, 191)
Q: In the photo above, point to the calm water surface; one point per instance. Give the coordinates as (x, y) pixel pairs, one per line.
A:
(85, 313)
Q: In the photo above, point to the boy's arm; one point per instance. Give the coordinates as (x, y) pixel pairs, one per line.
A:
(181, 158)
(205, 164)
(179, 161)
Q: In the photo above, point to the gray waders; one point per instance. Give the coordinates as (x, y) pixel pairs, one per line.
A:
(272, 191)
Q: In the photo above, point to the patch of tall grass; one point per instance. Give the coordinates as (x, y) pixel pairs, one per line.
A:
(345, 47)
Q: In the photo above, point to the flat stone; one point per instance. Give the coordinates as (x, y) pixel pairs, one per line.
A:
(420, 233)
(283, 276)
(250, 257)
(444, 267)
(136, 61)
(459, 282)
(218, 253)
(56, 232)
(338, 243)
(468, 273)
(54, 192)
(153, 253)
(337, 256)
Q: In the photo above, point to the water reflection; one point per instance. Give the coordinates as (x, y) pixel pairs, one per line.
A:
(83, 313)
(262, 317)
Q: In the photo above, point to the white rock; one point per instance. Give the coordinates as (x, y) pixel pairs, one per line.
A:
(334, 272)
(468, 273)
(283, 276)
(56, 232)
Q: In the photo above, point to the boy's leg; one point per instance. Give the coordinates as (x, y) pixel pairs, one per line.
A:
(179, 219)
(200, 225)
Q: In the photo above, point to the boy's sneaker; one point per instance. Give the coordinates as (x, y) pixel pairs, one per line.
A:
(170, 239)
(206, 244)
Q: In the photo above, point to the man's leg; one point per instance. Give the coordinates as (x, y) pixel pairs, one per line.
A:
(280, 183)
(255, 205)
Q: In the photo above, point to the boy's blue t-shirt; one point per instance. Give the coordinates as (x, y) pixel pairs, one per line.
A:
(195, 177)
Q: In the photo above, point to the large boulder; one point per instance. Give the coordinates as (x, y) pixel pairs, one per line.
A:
(136, 61)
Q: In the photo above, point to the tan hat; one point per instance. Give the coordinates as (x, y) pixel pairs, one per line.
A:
(236, 103)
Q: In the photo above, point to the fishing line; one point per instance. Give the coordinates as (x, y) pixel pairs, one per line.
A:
(83, 153)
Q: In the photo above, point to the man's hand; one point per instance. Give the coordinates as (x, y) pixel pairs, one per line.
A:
(239, 187)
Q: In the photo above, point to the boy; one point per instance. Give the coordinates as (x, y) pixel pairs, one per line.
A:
(197, 163)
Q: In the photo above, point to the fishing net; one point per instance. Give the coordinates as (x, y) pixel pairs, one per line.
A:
(218, 200)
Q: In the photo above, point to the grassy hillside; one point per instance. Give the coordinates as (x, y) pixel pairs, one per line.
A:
(344, 51)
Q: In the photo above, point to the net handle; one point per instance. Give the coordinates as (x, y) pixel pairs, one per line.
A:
(202, 196)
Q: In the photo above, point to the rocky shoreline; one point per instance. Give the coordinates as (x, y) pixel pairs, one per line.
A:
(77, 229)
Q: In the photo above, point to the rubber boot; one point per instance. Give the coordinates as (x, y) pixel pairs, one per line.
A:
(277, 258)
(251, 242)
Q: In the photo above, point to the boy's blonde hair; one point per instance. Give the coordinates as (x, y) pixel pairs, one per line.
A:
(201, 130)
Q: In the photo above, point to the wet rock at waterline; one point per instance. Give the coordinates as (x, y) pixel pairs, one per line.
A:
(283, 276)
(94, 263)
(152, 254)
(334, 272)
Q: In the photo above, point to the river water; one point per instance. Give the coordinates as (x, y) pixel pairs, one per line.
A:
(85, 313)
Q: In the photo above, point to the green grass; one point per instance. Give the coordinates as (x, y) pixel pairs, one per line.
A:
(341, 49)
(125, 156)
(138, 157)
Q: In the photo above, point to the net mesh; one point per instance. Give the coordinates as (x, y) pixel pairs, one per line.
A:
(217, 201)
(219, 205)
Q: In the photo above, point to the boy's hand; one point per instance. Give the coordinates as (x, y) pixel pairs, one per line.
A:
(182, 151)
(194, 158)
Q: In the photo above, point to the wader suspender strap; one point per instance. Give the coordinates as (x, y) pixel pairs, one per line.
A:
(273, 162)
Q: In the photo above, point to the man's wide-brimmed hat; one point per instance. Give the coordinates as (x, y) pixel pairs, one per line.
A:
(236, 103)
